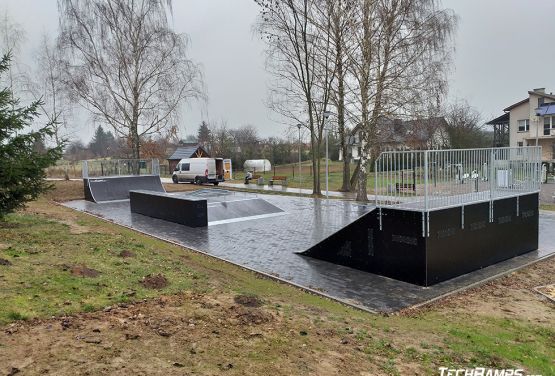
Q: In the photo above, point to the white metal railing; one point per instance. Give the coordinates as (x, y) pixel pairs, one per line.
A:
(120, 167)
(425, 180)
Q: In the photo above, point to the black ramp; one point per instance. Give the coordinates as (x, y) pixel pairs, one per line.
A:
(460, 240)
(190, 211)
(229, 210)
(117, 187)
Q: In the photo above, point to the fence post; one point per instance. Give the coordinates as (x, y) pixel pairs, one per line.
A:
(491, 185)
(85, 169)
(426, 180)
(376, 181)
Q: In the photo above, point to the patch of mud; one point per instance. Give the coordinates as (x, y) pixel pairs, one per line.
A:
(126, 254)
(83, 271)
(154, 281)
(9, 225)
(248, 301)
(252, 316)
(5, 262)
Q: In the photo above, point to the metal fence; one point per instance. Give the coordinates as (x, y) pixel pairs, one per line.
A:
(120, 167)
(427, 180)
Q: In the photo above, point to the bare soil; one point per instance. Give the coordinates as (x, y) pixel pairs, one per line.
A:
(5, 262)
(510, 296)
(126, 254)
(156, 281)
(248, 300)
(83, 271)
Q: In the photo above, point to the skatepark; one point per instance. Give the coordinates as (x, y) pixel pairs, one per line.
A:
(446, 232)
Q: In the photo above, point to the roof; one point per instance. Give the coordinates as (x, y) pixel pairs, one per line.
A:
(503, 119)
(538, 93)
(188, 151)
(550, 96)
(517, 104)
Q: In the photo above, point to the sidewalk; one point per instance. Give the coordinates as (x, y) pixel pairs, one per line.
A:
(281, 189)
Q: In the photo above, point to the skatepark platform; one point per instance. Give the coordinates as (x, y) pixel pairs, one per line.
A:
(456, 240)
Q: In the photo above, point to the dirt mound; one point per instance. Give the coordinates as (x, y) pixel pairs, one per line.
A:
(253, 316)
(156, 281)
(83, 271)
(5, 262)
(126, 254)
(248, 301)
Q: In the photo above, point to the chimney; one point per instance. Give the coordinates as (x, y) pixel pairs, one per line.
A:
(540, 90)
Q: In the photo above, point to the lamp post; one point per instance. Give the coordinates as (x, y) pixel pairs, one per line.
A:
(300, 171)
(327, 115)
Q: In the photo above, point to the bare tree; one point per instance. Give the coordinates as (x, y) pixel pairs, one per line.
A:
(465, 128)
(300, 57)
(12, 36)
(126, 65)
(47, 85)
(400, 61)
(341, 14)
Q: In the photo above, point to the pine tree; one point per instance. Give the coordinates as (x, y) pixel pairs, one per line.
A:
(103, 143)
(204, 134)
(22, 164)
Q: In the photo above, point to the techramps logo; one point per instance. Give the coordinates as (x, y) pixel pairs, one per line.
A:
(483, 371)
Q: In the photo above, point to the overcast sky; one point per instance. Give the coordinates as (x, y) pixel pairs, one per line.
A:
(503, 49)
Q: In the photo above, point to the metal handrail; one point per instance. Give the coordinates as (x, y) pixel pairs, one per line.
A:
(425, 180)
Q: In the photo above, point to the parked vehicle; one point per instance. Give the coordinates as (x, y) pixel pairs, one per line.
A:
(199, 171)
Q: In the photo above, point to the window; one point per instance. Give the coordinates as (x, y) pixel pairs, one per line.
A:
(185, 166)
(540, 101)
(524, 125)
(547, 126)
(520, 144)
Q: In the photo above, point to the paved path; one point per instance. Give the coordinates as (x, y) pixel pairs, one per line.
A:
(547, 193)
(279, 188)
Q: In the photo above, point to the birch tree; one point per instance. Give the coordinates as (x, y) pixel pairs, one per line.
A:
(300, 58)
(126, 65)
(47, 86)
(403, 52)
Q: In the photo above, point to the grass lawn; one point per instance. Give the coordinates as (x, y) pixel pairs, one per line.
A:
(547, 206)
(335, 176)
(82, 295)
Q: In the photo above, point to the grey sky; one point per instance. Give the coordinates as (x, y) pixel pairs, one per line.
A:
(503, 50)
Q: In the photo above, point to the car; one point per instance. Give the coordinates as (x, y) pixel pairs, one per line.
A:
(199, 171)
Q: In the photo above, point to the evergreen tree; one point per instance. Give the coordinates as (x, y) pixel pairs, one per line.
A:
(204, 134)
(22, 167)
(102, 143)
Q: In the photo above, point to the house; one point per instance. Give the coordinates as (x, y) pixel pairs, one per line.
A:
(529, 122)
(396, 134)
(191, 150)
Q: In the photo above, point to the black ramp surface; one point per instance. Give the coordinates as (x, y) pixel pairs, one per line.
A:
(228, 210)
(117, 187)
(189, 211)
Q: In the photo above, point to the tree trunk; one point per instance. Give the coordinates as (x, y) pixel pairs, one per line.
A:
(362, 179)
(315, 147)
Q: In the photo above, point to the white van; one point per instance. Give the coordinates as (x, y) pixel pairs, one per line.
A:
(199, 171)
